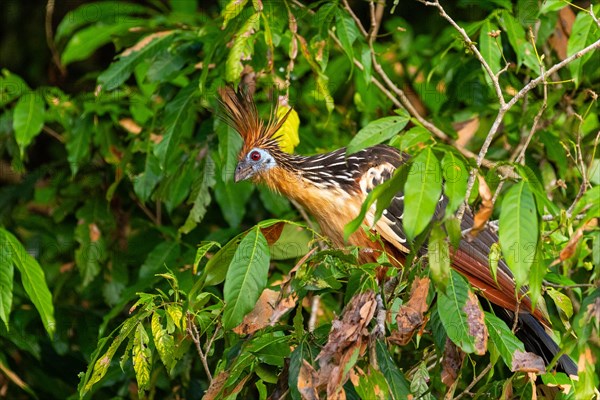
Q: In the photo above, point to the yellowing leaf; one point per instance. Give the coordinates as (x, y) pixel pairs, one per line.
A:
(288, 133)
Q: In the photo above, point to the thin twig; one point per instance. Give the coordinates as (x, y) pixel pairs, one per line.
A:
(50, 37)
(471, 45)
(575, 285)
(474, 382)
(53, 133)
(195, 335)
(355, 18)
(376, 11)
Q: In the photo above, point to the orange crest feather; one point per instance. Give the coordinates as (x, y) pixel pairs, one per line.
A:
(241, 114)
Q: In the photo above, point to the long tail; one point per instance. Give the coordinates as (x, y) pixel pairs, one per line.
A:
(471, 259)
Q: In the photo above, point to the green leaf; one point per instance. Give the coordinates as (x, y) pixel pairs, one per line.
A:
(144, 183)
(7, 272)
(242, 48)
(347, 32)
(28, 119)
(366, 61)
(201, 251)
(86, 41)
(455, 181)
(179, 122)
(94, 374)
(120, 70)
(536, 275)
(165, 344)
(518, 41)
(106, 12)
(518, 231)
(32, 277)
(163, 255)
(376, 132)
(451, 313)
(561, 300)
(216, 268)
(422, 192)
(490, 48)
(396, 381)
(200, 196)
(232, 200)
(142, 357)
(439, 257)
(503, 338)
(78, 142)
(246, 278)
(12, 86)
(494, 259)
(583, 33)
(232, 10)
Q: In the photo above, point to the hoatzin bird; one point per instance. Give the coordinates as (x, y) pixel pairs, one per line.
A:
(333, 187)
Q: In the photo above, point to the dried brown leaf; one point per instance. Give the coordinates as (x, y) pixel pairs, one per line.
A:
(130, 126)
(347, 341)
(560, 37)
(411, 315)
(477, 326)
(485, 210)
(451, 362)
(273, 232)
(95, 233)
(259, 317)
(307, 382)
(216, 386)
(466, 130)
(525, 361)
(568, 251)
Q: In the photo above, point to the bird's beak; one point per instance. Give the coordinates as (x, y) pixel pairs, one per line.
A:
(242, 171)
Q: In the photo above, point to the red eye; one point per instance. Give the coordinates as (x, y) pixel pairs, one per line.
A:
(255, 156)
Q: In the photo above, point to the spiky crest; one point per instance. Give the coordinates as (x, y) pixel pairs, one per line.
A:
(241, 114)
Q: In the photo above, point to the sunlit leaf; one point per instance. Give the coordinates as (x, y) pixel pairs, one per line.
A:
(376, 132)
(422, 192)
(28, 119)
(32, 277)
(583, 33)
(503, 338)
(519, 230)
(246, 278)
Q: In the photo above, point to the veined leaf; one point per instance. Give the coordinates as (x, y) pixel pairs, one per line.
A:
(503, 338)
(518, 41)
(518, 231)
(376, 132)
(179, 120)
(200, 196)
(86, 41)
(232, 10)
(201, 252)
(396, 381)
(242, 48)
(96, 373)
(32, 277)
(246, 278)
(451, 305)
(7, 272)
(12, 86)
(165, 344)
(455, 181)
(142, 357)
(145, 182)
(490, 48)
(422, 192)
(120, 70)
(583, 33)
(78, 143)
(28, 119)
(105, 12)
(347, 32)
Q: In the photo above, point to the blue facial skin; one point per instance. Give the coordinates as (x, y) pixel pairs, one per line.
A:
(256, 161)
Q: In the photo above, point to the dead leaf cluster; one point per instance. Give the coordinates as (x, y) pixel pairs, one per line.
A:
(411, 315)
(347, 341)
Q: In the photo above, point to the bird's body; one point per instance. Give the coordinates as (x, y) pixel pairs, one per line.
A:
(333, 186)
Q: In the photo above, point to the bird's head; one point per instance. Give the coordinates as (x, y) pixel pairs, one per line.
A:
(261, 150)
